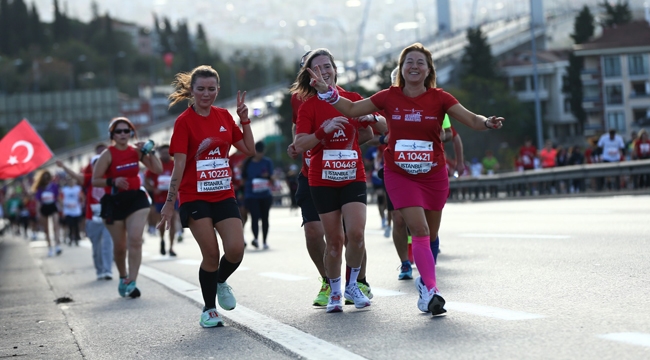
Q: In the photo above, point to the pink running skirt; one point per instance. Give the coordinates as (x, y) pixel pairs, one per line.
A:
(428, 192)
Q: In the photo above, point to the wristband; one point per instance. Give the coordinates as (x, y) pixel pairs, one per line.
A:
(327, 95)
(486, 124)
(320, 133)
(109, 181)
(382, 138)
(245, 122)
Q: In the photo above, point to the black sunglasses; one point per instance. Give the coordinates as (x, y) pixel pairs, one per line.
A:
(122, 131)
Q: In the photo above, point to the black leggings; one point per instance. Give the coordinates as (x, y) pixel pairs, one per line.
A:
(73, 226)
(259, 208)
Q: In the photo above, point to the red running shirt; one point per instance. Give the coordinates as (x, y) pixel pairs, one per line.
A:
(125, 163)
(414, 124)
(206, 141)
(335, 161)
(161, 182)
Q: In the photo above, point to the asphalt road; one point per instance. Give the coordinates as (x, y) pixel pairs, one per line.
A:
(525, 279)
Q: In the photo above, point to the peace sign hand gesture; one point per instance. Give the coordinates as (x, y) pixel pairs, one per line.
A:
(317, 81)
(242, 109)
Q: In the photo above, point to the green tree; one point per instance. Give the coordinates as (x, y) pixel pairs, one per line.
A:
(583, 30)
(478, 60)
(489, 97)
(60, 25)
(384, 74)
(20, 18)
(37, 32)
(5, 28)
(616, 14)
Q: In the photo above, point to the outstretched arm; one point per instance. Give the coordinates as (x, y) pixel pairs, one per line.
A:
(474, 121)
(343, 105)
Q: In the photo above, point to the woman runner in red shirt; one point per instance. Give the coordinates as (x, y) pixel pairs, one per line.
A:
(118, 169)
(337, 177)
(202, 180)
(415, 174)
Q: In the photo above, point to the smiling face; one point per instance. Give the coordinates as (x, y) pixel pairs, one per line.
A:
(327, 69)
(415, 68)
(205, 90)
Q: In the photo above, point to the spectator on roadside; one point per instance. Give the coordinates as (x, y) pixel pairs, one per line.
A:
(630, 145)
(527, 154)
(642, 152)
(490, 163)
(562, 156)
(611, 148)
(547, 155)
(476, 168)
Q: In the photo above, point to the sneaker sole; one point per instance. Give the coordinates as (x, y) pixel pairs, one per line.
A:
(436, 305)
(336, 309)
(361, 306)
(219, 324)
(134, 294)
(405, 277)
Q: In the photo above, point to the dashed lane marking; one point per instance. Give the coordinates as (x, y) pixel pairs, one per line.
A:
(492, 312)
(633, 338)
(281, 276)
(294, 340)
(516, 236)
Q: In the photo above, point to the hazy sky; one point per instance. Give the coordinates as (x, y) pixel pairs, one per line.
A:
(294, 24)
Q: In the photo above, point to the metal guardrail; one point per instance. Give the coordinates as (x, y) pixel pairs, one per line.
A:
(585, 178)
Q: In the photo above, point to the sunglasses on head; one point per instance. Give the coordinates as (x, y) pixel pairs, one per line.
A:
(122, 131)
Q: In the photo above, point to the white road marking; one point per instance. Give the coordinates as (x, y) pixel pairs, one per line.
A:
(633, 338)
(516, 236)
(192, 262)
(281, 276)
(301, 343)
(386, 292)
(489, 311)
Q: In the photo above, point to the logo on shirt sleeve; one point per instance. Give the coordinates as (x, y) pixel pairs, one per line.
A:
(222, 129)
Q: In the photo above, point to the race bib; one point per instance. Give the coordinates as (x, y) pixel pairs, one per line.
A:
(414, 156)
(261, 185)
(47, 197)
(339, 165)
(612, 152)
(213, 175)
(163, 182)
(645, 148)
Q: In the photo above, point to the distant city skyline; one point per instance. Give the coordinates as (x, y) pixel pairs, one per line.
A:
(296, 25)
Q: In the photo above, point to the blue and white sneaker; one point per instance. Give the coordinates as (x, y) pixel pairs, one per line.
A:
(335, 304)
(406, 272)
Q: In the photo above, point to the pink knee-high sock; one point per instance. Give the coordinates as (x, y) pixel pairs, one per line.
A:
(424, 260)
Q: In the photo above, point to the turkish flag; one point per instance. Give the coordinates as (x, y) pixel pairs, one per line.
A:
(22, 151)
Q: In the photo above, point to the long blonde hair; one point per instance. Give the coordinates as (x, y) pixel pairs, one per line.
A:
(41, 180)
(184, 82)
(430, 81)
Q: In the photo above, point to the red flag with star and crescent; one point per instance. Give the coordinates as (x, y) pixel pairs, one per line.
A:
(22, 151)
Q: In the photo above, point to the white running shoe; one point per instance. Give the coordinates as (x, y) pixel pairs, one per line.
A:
(50, 252)
(210, 318)
(335, 304)
(352, 292)
(225, 296)
(425, 295)
(388, 231)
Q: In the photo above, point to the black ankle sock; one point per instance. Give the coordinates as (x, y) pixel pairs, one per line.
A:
(226, 268)
(363, 281)
(208, 281)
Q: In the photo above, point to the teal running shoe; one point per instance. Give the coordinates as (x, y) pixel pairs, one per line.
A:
(225, 296)
(210, 318)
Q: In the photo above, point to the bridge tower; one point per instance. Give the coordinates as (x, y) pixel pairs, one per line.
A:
(444, 17)
(537, 13)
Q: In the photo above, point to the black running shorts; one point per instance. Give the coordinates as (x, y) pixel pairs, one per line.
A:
(304, 200)
(218, 211)
(328, 199)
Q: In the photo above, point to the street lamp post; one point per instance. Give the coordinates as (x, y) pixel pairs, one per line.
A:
(538, 108)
